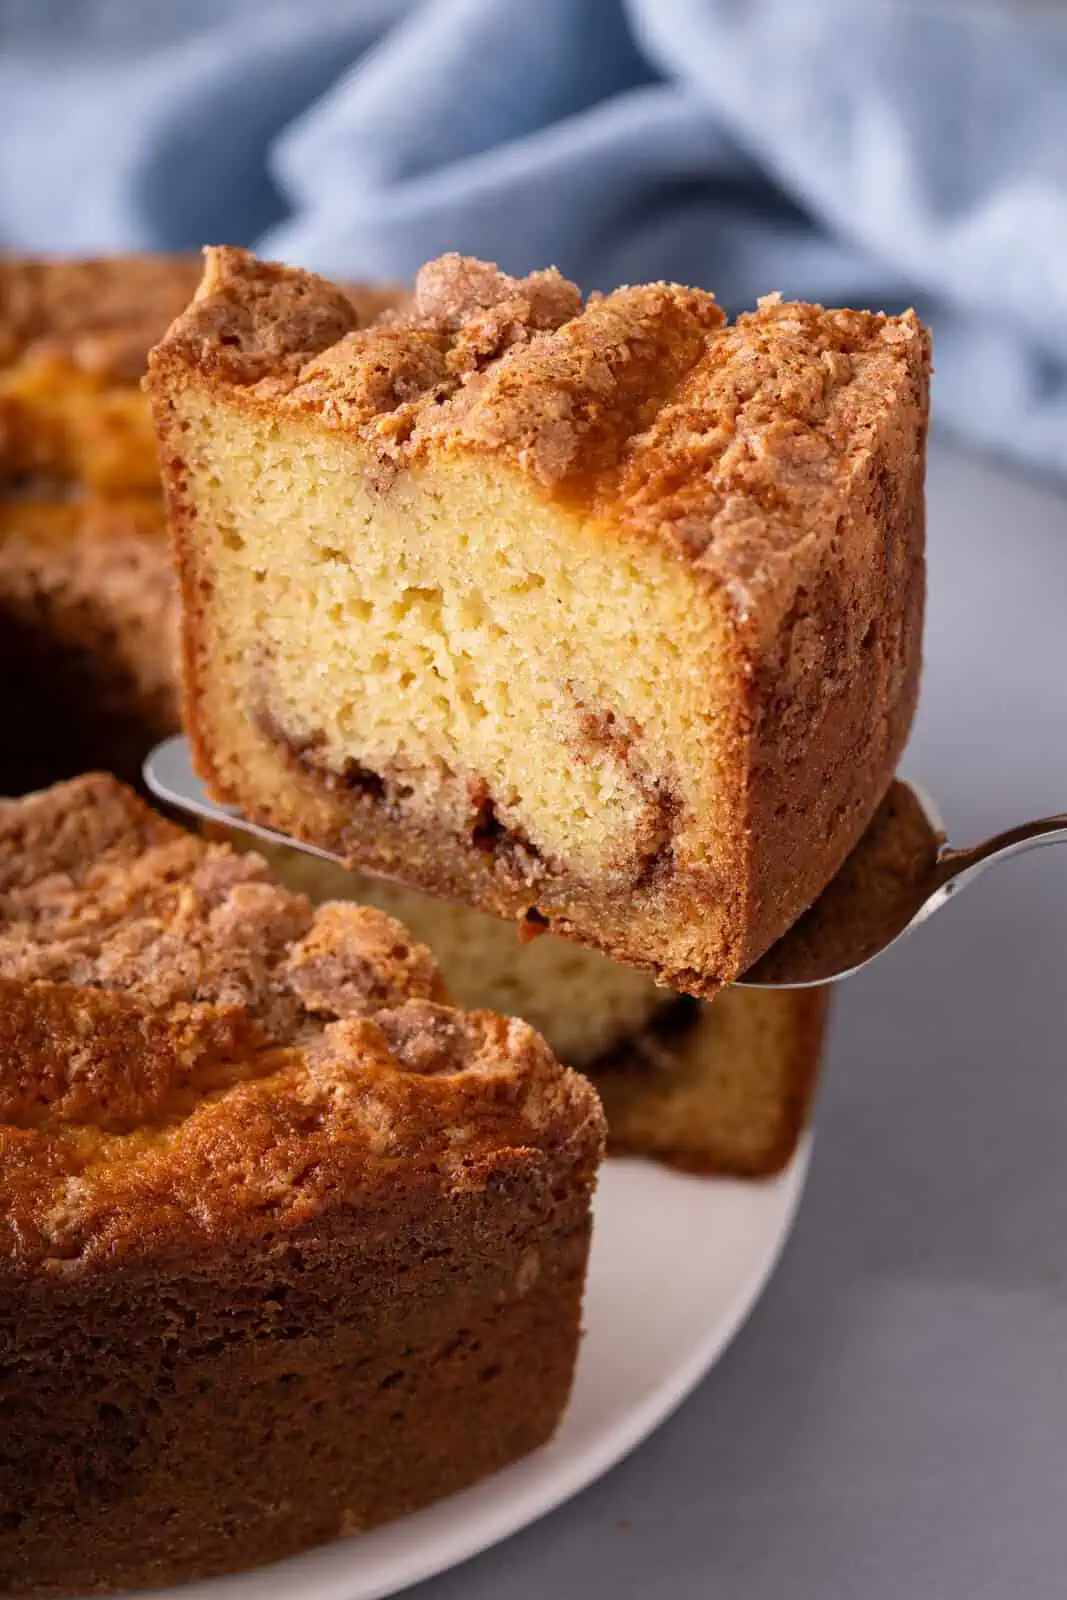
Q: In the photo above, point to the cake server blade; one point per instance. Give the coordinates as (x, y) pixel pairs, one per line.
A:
(899, 874)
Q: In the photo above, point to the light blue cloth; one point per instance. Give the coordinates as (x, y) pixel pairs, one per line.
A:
(840, 150)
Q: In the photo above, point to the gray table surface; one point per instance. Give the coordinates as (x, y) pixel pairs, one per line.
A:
(892, 1422)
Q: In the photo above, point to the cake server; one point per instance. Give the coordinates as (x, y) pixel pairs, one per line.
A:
(900, 873)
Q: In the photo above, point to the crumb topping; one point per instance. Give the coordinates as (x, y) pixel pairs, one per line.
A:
(102, 316)
(479, 360)
(99, 316)
(643, 407)
(738, 465)
(278, 321)
(169, 1016)
(486, 310)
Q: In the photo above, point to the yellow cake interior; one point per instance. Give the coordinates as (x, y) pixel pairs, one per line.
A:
(582, 1002)
(531, 670)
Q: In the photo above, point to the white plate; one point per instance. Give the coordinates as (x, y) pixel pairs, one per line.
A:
(677, 1265)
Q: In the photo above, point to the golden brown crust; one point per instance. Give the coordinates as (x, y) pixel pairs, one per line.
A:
(74, 340)
(60, 426)
(95, 316)
(200, 1414)
(779, 462)
(718, 1090)
(834, 685)
(188, 1049)
(869, 902)
(278, 321)
(74, 337)
(479, 360)
(102, 316)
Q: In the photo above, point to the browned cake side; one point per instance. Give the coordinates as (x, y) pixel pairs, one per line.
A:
(870, 901)
(604, 617)
(88, 637)
(288, 1246)
(720, 1089)
(74, 338)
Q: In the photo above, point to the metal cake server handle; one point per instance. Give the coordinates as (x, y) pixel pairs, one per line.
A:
(901, 873)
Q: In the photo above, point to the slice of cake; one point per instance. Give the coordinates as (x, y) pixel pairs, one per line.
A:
(88, 636)
(74, 337)
(288, 1245)
(719, 1088)
(605, 617)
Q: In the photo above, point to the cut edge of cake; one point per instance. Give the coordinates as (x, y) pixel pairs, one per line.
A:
(673, 786)
(88, 606)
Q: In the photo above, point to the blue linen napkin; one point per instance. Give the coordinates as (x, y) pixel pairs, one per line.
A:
(866, 153)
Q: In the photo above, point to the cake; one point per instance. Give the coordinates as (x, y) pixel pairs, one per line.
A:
(88, 636)
(603, 617)
(87, 603)
(871, 900)
(74, 337)
(288, 1245)
(583, 1003)
(718, 1088)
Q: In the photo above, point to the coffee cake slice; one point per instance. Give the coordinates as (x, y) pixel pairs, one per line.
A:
(288, 1245)
(601, 616)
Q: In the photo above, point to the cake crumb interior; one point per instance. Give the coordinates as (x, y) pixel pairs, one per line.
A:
(531, 680)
